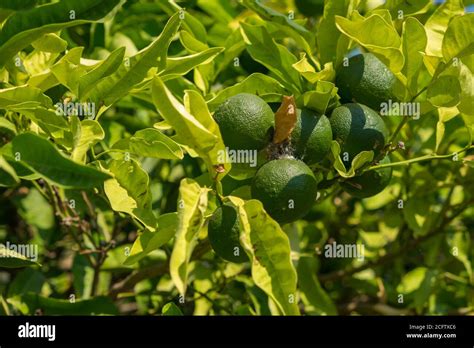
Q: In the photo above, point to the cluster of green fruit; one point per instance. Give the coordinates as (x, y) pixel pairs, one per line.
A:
(286, 185)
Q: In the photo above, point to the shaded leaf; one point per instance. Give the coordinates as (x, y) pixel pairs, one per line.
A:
(263, 49)
(190, 131)
(259, 84)
(269, 249)
(311, 289)
(128, 191)
(437, 25)
(25, 27)
(11, 259)
(192, 204)
(170, 309)
(378, 36)
(40, 156)
(134, 69)
(30, 302)
(151, 142)
(150, 241)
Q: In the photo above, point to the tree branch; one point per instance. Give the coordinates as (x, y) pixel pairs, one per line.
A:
(390, 257)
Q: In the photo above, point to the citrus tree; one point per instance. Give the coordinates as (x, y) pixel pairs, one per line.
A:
(246, 157)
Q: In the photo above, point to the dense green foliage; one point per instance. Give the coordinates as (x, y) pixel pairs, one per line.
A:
(118, 195)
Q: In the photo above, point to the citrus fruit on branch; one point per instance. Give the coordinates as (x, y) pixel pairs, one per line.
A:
(224, 233)
(287, 188)
(358, 128)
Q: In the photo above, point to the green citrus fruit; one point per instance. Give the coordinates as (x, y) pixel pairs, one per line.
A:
(245, 121)
(224, 232)
(287, 188)
(369, 183)
(310, 8)
(312, 136)
(366, 80)
(357, 128)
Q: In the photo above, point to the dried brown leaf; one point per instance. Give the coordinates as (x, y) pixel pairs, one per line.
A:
(285, 120)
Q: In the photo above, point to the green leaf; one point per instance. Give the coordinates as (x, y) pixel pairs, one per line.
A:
(420, 283)
(101, 70)
(311, 289)
(418, 214)
(88, 133)
(148, 241)
(170, 309)
(128, 191)
(27, 280)
(259, 84)
(68, 70)
(40, 156)
(7, 129)
(361, 159)
(458, 40)
(270, 14)
(378, 36)
(319, 99)
(182, 65)
(18, 5)
(469, 122)
(460, 244)
(329, 37)
(466, 81)
(192, 204)
(196, 106)
(440, 129)
(269, 249)
(51, 123)
(151, 142)
(263, 48)
(135, 69)
(412, 280)
(190, 23)
(30, 302)
(191, 44)
(309, 73)
(50, 43)
(83, 276)
(8, 176)
(189, 129)
(405, 7)
(234, 46)
(437, 25)
(11, 259)
(25, 27)
(444, 91)
(413, 43)
(24, 96)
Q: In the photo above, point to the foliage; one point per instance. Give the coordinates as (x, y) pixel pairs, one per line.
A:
(110, 170)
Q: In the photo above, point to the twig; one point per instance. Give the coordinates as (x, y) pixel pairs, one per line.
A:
(129, 282)
(390, 257)
(420, 159)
